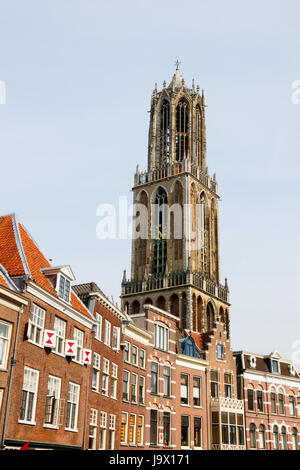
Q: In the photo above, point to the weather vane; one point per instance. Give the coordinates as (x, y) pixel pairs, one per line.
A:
(177, 63)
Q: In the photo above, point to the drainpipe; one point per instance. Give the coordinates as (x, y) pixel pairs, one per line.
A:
(12, 364)
(87, 391)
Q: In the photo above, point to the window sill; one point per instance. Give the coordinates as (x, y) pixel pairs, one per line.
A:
(36, 344)
(77, 362)
(50, 426)
(3, 369)
(31, 423)
(71, 430)
(58, 353)
(187, 405)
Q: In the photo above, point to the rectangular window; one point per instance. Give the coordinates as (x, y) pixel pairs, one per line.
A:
(134, 388)
(184, 389)
(98, 331)
(114, 381)
(196, 391)
(167, 381)
(78, 337)
(72, 406)
(275, 367)
(140, 430)
(161, 337)
(167, 428)
(142, 390)
(134, 355)
(127, 352)
(107, 333)
(64, 288)
(126, 385)
(116, 338)
(220, 352)
(298, 405)
(111, 432)
(154, 377)
(250, 396)
(132, 429)
(103, 426)
(142, 359)
(228, 385)
(36, 325)
(93, 428)
(281, 403)
(153, 427)
(240, 429)
(292, 406)
(96, 372)
(225, 430)
(60, 330)
(5, 332)
(273, 402)
(53, 400)
(29, 395)
(124, 424)
(185, 431)
(214, 383)
(105, 377)
(260, 400)
(197, 432)
(215, 427)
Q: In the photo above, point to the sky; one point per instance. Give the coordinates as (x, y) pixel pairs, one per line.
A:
(79, 76)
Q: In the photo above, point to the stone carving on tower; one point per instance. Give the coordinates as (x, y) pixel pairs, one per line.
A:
(175, 256)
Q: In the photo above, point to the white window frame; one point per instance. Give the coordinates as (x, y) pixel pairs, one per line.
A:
(60, 327)
(105, 377)
(78, 336)
(53, 396)
(140, 444)
(133, 442)
(142, 366)
(107, 333)
(116, 338)
(135, 387)
(128, 385)
(36, 325)
(93, 427)
(126, 428)
(103, 426)
(5, 340)
(66, 292)
(114, 381)
(73, 401)
(96, 367)
(142, 379)
(98, 330)
(112, 430)
(125, 352)
(136, 363)
(161, 336)
(30, 385)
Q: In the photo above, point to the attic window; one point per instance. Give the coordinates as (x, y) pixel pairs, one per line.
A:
(64, 288)
(275, 366)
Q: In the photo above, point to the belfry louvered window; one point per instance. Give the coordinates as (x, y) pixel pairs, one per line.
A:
(159, 232)
(182, 130)
(198, 134)
(165, 131)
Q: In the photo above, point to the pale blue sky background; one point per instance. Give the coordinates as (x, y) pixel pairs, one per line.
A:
(79, 77)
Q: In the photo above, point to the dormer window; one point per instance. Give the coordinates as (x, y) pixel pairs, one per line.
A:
(64, 288)
(275, 366)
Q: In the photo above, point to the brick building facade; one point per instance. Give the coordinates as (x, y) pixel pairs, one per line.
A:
(270, 388)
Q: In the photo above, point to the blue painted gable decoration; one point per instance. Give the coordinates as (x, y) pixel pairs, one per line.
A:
(188, 347)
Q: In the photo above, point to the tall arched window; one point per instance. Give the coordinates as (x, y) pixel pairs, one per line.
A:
(182, 130)
(199, 136)
(262, 437)
(284, 438)
(295, 438)
(174, 305)
(183, 312)
(276, 437)
(165, 131)
(210, 317)
(204, 229)
(159, 232)
(142, 243)
(252, 431)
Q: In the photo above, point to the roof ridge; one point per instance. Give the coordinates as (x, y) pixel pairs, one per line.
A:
(19, 244)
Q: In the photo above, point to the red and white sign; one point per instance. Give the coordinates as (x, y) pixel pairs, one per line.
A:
(49, 339)
(71, 348)
(87, 356)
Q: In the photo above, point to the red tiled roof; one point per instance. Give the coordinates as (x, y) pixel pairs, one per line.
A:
(16, 244)
(3, 281)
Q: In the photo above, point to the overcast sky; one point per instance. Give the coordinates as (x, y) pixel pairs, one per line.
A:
(79, 76)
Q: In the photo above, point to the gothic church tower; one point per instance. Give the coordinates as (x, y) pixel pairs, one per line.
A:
(176, 265)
